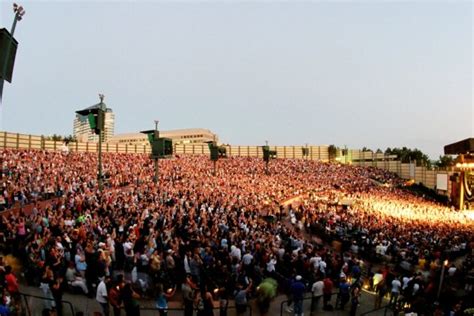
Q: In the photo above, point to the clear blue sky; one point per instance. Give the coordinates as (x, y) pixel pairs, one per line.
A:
(373, 74)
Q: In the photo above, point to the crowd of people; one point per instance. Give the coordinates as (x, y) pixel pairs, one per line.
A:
(222, 237)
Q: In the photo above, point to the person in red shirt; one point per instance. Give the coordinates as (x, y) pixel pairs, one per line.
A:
(12, 282)
(327, 291)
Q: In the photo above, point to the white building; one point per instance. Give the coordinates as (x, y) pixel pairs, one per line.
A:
(178, 136)
(82, 129)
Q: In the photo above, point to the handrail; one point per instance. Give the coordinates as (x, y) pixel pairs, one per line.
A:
(250, 312)
(24, 295)
(304, 299)
(385, 308)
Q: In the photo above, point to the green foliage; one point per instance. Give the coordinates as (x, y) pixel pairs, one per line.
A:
(55, 137)
(332, 151)
(69, 139)
(444, 161)
(410, 155)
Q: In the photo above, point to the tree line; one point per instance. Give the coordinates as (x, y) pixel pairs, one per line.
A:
(405, 155)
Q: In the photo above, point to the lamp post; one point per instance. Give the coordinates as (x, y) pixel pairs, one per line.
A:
(96, 118)
(445, 264)
(266, 162)
(157, 135)
(267, 155)
(160, 147)
(305, 151)
(9, 41)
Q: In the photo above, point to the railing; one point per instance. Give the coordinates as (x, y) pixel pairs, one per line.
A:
(229, 310)
(33, 305)
(377, 311)
(284, 304)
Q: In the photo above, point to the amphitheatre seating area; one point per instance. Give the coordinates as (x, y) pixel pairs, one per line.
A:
(216, 228)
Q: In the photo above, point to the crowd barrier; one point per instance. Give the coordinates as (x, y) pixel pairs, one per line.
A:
(335, 303)
(34, 305)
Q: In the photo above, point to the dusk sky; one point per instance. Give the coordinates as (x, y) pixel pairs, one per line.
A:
(357, 73)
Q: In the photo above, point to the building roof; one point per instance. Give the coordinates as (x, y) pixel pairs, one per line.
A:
(168, 133)
(99, 105)
(461, 147)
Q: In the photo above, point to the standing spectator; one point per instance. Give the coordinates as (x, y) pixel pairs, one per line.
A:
(11, 281)
(114, 295)
(327, 293)
(187, 290)
(58, 290)
(380, 291)
(396, 286)
(47, 282)
(297, 291)
(128, 295)
(207, 303)
(344, 293)
(317, 293)
(102, 296)
(241, 302)
(162, 299)
(355, 295)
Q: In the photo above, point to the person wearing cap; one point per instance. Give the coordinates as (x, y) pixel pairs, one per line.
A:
(297, 290)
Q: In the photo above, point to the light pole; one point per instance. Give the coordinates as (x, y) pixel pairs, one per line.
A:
(214, 154)
(266, 162)
(267, 155)
(96, 118)
(305, 152)
(7, 70)
(160, 147)
(157, 135)
(445, 264)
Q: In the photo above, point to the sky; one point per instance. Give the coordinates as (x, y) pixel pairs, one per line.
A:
(351, 73)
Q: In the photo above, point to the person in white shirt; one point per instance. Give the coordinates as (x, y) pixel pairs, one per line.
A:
(406, 279)
(378, 277)
(235, 253)
(101, 295)
(317, 291)
(396, 285)
(315, 262)
(271, 265)
(322, 267)
(247, 259)
(452, 270)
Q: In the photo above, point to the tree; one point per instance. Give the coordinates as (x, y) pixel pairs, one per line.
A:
(444, 161)
(69, 139)
(379, 151)
(410, 155)
(366, 149)
(55, 137)
(332, 151)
